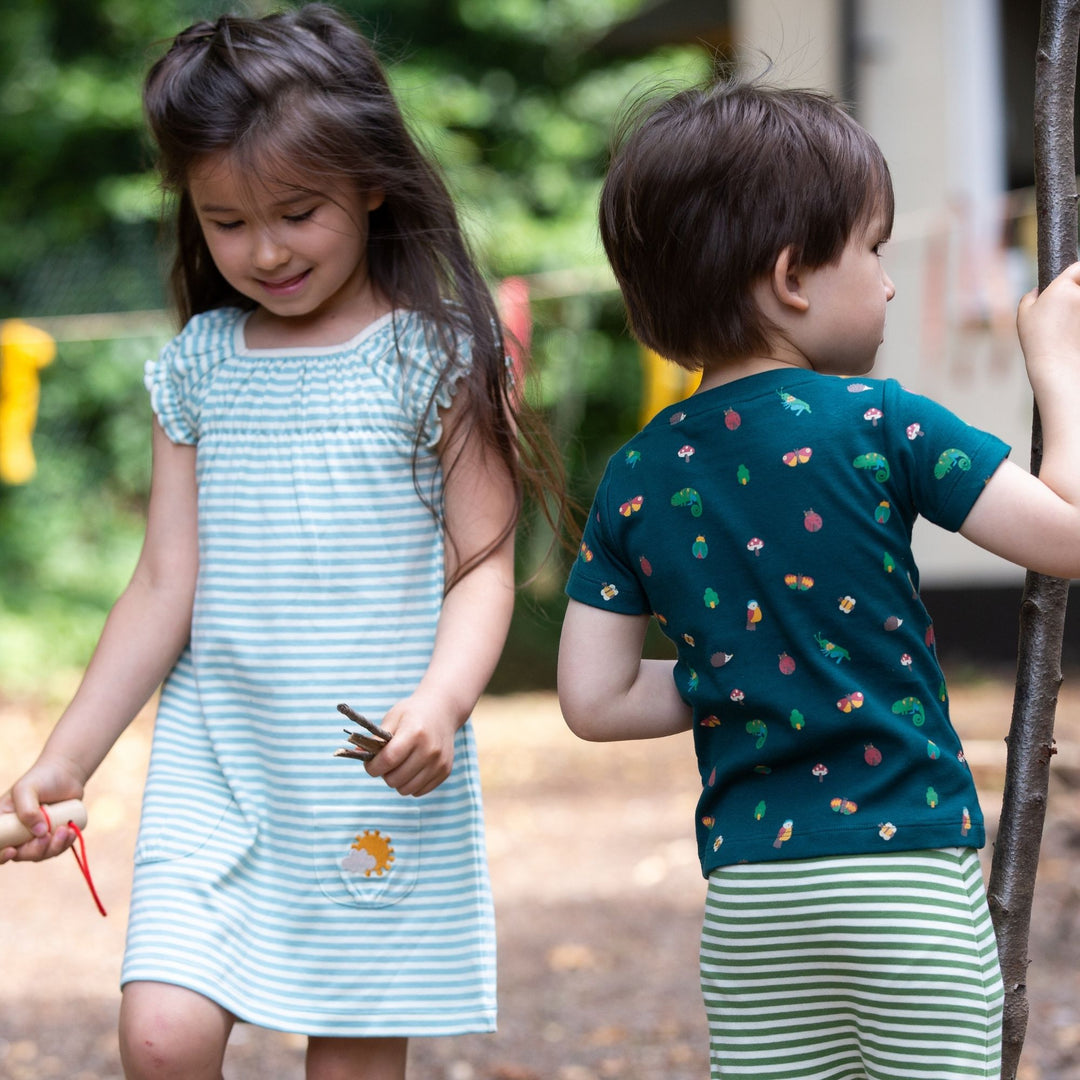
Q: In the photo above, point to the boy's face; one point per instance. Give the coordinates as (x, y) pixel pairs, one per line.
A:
(845, 320)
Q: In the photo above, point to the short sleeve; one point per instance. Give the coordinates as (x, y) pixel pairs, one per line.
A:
(947, 461)
(601, 576)
(178, 379)
(429, 378)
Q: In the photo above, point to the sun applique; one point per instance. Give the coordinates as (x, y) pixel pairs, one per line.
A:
(369, 854)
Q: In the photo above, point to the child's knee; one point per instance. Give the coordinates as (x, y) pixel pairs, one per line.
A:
(167, 1031)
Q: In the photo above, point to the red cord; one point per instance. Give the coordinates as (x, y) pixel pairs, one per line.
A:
(81, 859)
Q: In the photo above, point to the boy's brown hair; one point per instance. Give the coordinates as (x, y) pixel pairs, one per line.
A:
(705, 190)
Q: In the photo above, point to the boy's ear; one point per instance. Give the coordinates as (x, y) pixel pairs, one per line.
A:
(788, 281)
(375, 198)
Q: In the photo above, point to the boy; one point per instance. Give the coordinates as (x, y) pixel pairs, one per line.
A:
(766, 523)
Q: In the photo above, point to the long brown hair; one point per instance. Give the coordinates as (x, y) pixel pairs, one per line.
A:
(304, 92)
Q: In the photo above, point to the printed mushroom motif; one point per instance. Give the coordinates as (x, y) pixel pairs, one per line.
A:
(820, 772)
(737, 695)
(686, 452)
(914, 431)
(755, 544)
(873, 415)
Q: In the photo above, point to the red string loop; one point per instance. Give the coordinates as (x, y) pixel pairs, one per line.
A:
(80, 858)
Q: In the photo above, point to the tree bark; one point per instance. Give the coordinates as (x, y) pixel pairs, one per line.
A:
(1042, 612)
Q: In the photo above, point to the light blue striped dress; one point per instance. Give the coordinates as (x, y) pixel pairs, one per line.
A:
(281, 882)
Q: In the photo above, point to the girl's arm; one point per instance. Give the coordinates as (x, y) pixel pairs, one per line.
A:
(1035, 521)
(478, 501)
(143, 635)
(606, 690)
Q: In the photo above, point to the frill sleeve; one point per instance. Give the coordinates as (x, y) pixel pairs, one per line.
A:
(424, 387)
(178, 379)
(948, 462)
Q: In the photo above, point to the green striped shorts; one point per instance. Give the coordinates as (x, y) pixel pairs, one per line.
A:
(869, 967)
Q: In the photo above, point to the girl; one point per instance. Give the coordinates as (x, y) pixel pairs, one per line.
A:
(336, 406)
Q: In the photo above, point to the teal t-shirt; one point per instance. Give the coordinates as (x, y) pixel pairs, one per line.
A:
(767, 525)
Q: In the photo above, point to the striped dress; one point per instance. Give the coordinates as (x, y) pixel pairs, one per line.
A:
(279, 881)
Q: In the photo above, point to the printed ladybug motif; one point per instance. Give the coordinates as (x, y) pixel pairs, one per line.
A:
(732, 419)
(812, 521)
(872, 755)
(646, 566)
(699, 548)
(786, 665)
(882, 512)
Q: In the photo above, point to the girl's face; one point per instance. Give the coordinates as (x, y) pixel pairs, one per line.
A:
(297, 252)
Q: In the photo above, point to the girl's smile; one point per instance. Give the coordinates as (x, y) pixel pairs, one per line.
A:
(300, 253)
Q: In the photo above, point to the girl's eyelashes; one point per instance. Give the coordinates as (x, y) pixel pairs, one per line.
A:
(293, 219)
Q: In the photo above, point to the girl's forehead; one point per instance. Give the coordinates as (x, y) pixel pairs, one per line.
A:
(244, 182)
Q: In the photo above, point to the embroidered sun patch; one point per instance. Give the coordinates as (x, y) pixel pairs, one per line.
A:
(369, 854)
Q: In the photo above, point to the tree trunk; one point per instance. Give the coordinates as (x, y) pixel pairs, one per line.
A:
(1042, 612)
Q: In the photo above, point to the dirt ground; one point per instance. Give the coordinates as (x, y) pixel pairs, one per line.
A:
(598, 899)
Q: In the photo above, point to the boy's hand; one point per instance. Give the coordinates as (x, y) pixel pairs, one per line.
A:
(420, 756)
(46, 782)
(1048, 324)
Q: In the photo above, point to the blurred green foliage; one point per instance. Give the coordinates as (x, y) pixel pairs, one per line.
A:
(514, 98)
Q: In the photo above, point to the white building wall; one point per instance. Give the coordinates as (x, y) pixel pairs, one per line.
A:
(928, 82)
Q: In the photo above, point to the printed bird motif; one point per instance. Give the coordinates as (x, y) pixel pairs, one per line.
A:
(753, 615)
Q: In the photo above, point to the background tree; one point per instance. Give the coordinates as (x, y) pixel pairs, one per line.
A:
(516, 102)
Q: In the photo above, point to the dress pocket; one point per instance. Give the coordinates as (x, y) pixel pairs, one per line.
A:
(171, 830)
(366, 855)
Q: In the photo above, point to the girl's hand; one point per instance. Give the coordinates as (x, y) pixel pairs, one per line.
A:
(46, 782)
(420, 756)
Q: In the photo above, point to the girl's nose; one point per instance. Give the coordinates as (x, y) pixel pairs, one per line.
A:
(268, 253)
(890, 288)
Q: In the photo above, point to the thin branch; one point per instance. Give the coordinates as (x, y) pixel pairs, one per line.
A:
(1042, 612)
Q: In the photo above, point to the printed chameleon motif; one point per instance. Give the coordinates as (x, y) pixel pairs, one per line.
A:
(910, 706)
(949, 460)
(873, 461)
(688, 497)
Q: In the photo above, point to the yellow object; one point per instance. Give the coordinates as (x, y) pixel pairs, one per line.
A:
(24, 350)
(664, 384)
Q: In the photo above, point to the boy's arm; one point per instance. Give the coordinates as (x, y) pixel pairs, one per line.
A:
(145, 631)
(606, 690)
(1035, 521)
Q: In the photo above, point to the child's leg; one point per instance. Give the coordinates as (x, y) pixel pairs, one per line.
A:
(356, 1059)
(167, 1031)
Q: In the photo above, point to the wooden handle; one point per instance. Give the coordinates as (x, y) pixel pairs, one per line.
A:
(13, 832)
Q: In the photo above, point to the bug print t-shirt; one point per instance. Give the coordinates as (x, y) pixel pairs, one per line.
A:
(766, 524)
